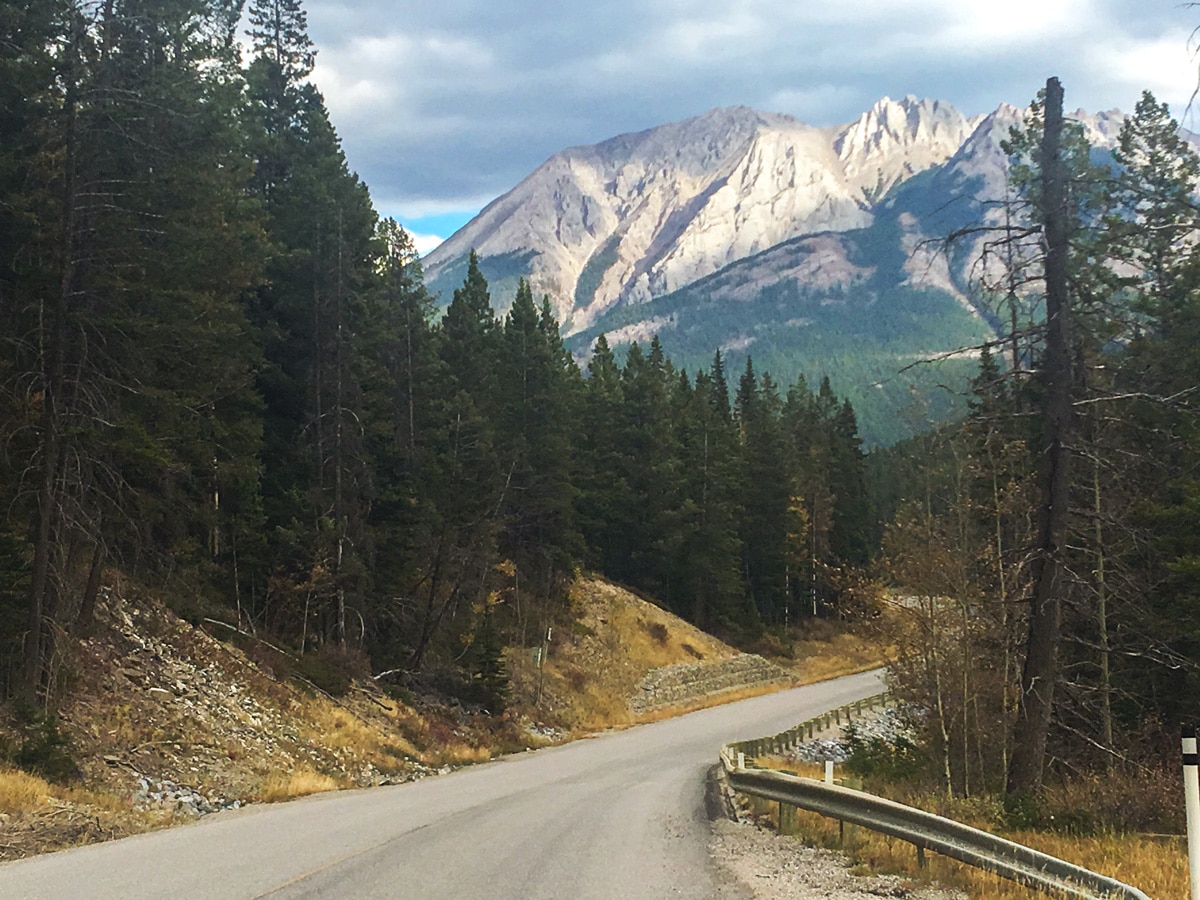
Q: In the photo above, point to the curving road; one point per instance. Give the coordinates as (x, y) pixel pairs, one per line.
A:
(621, 815)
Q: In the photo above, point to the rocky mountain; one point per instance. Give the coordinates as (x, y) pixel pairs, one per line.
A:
(641, 215)
(816, 250)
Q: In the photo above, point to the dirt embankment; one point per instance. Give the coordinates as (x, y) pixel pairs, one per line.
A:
(624, 660)
(166, 721)
(163, 722)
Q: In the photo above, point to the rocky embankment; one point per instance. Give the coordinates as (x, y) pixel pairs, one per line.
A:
(692, 682)
(887, 723)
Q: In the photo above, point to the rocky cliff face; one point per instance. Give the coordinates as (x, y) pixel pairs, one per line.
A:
(643, 214)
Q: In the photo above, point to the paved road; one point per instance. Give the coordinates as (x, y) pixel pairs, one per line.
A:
(617, 816)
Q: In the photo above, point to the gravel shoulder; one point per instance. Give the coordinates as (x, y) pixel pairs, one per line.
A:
(768, 866)
(765, 865)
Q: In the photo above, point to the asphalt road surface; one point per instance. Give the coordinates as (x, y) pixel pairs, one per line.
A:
(620, 815)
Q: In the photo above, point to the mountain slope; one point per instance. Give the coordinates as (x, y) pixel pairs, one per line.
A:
(644, 214)
(820, 252)
(835, 305)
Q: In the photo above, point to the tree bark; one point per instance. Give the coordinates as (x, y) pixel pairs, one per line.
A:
(1040, 672)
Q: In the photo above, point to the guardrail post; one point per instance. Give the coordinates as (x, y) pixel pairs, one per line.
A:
(789, 822)
(922, 862)
(1191, 796)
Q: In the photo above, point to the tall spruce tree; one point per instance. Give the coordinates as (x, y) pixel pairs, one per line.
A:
(766, 494)
(708, 588)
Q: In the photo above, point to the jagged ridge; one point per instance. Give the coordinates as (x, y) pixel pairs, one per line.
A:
(640, 215)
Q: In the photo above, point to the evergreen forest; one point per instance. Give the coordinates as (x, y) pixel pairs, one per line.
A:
(222, 376)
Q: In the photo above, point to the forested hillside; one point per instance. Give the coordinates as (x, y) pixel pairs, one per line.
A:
(1049, 544)
(221, 375)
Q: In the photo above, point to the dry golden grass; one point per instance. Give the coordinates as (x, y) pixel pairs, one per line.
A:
(595, 663)
(21, 792)
(1156, 866)
(279, 786)
(395, 736)
(464, 754)
(823, 649)
(844, 654)
(339, 729)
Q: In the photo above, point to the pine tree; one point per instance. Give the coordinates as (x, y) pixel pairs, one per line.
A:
(708, 587)
(536, 415)
(605, 503)
(145, 234)
(649, 468)
(766, 494)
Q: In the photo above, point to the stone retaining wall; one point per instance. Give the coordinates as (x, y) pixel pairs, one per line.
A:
(683, 683)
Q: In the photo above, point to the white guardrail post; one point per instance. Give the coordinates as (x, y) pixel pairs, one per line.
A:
(1191, 797)
(926, 831)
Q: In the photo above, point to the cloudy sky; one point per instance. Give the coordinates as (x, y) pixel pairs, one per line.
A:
(442, 105)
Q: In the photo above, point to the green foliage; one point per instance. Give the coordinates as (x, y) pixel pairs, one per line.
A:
(864, 338)
(895, 759)
(503, 272)
(44, 750)
(489, 676)
(325, 670)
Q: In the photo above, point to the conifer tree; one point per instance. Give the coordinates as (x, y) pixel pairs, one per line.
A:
(536, 415)
(766, 494)
(708, 587)
(605, 503)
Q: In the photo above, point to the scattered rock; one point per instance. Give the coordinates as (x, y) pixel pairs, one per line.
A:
(888, 723)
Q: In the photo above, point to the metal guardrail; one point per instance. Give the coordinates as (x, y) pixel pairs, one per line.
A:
(922, 829)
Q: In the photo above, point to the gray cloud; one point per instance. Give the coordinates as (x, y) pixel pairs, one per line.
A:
(444, 105)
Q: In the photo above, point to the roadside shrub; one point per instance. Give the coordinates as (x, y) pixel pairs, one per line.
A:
(888, 759)
(769, 644)
(315, 668)
(658, 631)
(46, 751)
(332, 668)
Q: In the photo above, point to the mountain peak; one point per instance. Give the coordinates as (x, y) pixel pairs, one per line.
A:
(898, 138)
(642, 214)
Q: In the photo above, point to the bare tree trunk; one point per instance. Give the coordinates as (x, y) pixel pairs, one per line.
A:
(1106, 721)
(1040, 673)
(1006, 679)
(52, 352)
(87, 609)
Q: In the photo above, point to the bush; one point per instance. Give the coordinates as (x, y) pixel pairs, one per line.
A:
(887, 759)
(770, 645)
(332, 668)
(46, 751)
(658, 631)
(315, 668)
